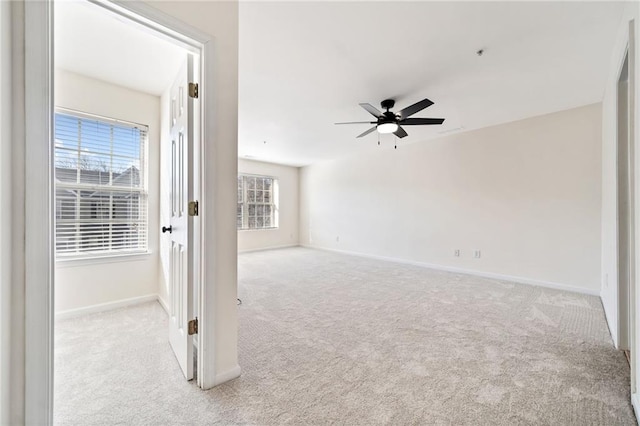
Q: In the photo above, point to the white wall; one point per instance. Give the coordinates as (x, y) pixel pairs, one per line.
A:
(526, 193)
(287, 232)
(609, 180)
(83, 283)
(220, 20)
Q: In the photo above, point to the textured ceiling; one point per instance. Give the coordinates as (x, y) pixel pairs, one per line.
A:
(306, 65)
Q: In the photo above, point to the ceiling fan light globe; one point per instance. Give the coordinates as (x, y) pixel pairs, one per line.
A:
(387, 128)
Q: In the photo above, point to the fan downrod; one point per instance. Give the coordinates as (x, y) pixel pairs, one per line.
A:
(387, 104)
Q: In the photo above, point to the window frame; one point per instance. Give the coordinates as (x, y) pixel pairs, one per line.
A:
(142, 191)
(274, 204)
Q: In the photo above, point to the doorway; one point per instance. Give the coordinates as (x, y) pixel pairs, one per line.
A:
(217, 348)
(124, 132)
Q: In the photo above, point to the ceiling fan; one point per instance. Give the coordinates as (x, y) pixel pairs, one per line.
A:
(390, 122)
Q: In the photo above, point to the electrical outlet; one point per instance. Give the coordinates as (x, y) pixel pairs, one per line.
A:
(606, 280)
(476, 254)
(338, 239)
(456, 252)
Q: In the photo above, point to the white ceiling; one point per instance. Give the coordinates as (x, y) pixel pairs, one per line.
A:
(306, 65)
(96, 43)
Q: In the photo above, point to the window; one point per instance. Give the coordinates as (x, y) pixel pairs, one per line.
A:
(257, 202)
(100, 182)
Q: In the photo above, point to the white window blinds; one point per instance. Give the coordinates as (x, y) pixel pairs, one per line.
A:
(101, 185)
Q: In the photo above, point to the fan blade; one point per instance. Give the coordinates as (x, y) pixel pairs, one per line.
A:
(420, 121)
(357, 122)
(367, 132)
(412, 109)
(372, 110)
(400, 132)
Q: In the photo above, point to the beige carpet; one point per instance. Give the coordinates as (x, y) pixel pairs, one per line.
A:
(333, 339)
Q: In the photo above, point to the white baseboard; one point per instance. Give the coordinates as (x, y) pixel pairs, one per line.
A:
(267, 248)
(502, 277)
(611, 321)
(234, 373)
(164, 305)
(635, 401)
(106, 306)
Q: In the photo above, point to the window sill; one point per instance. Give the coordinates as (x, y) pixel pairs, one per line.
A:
(259, 229)
(70, 262)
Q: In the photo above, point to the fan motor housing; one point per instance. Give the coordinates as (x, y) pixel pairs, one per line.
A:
(387, 117)
(387, 104)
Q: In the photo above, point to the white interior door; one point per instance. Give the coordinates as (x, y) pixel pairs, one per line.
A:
(181, 282)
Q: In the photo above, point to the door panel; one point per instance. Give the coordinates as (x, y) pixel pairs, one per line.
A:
(181, 285)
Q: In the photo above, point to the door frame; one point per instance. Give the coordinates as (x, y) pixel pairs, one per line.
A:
(39, 194)
(632, 59)
(631, 339)
(625, 284)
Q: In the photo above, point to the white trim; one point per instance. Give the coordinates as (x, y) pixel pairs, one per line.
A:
(7, 59)
(633, 140)
(614, 337)
(623, 330)
(109, 306)
(502, 277)
(234, 373)
(269, 248)
(151, 19)
(74, 261)
(635, 402)
(207, 339)
(38, 227)
(163, 303)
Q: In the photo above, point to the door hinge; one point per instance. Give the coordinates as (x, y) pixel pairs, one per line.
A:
(193, 327)
(193, 208)
(193, 90)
